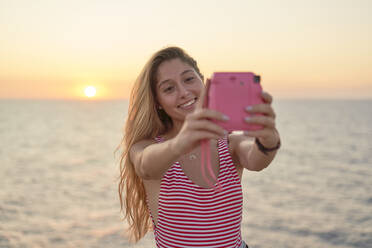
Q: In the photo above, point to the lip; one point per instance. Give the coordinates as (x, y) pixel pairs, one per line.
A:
(195, 98)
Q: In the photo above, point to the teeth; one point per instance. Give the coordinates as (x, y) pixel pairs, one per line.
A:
(188, 103)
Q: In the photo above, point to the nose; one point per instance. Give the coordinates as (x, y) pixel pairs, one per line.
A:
(184, 92)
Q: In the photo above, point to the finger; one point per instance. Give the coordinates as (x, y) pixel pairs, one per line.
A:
(200, 135)
(209, 126)
(208, 114)
(267, 97)
(261, 120)
(261, 108)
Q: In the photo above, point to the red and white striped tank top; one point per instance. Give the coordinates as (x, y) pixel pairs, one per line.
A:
(192, 216)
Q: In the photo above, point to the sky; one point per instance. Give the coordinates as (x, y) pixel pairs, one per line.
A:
(302, 49)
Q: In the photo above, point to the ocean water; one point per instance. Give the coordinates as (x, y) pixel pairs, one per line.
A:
(58, 176)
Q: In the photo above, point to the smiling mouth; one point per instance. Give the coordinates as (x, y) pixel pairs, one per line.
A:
(192, 101)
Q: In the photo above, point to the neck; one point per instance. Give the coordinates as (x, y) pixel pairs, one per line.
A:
(177, 125)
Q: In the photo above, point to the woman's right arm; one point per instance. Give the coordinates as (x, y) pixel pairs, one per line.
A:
(151, 160)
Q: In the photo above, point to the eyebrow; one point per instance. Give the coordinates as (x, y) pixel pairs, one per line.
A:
(184, 72)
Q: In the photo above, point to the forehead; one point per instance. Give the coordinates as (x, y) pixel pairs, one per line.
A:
(171, 69)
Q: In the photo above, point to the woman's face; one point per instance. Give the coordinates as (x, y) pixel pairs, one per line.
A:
(178, 88)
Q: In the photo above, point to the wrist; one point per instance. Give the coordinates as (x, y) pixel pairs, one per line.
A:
(265, 148)
(270, 141)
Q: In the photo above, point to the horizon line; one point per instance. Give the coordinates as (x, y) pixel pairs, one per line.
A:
(126, 99)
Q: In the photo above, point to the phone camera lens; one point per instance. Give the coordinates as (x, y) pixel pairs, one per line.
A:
(257, 79)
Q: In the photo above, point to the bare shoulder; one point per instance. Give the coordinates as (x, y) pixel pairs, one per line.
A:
(235, 139)
(237, 149)
(142, 144)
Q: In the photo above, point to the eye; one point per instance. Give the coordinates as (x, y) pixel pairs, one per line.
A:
(189, 79)
(168, 89)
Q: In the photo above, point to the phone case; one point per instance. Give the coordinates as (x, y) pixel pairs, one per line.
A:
(230, 93)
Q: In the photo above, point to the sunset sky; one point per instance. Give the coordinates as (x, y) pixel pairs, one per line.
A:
(301, 49)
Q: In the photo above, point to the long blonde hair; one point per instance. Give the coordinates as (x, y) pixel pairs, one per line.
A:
(144, 121)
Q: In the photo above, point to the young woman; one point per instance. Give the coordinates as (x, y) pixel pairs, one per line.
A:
(161, 186)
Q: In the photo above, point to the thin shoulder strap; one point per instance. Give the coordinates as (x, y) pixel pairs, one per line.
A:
(159, 139)
(206, 158)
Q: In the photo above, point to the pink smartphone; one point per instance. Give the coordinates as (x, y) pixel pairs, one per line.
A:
(230, 93)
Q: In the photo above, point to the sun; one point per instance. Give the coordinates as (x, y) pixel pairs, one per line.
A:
(90, 91)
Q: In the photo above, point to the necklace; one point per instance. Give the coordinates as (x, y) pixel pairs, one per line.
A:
(192, 156)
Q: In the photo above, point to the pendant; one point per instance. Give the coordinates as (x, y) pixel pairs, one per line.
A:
(192, 157)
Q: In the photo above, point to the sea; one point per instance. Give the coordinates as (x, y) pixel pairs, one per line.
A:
(59, 176)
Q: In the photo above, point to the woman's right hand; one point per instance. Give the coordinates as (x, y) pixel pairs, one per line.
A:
(196, 127)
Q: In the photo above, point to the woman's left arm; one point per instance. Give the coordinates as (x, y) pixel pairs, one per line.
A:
(258, 155)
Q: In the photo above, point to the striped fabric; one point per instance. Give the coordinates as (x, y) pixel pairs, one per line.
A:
(192, 216)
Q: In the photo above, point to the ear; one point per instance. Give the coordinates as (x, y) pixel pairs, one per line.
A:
(157, 104)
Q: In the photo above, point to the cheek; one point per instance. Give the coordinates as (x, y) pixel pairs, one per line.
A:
(199, 88)
(165, 101)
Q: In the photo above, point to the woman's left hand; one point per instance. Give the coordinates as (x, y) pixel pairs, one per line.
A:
(268, 135)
